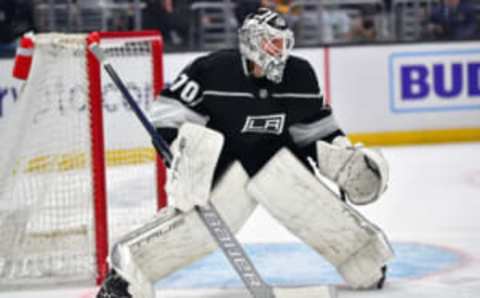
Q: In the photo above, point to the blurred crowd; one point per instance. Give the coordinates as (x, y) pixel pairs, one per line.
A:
(204, 25)
(453, 19)
(16, 18)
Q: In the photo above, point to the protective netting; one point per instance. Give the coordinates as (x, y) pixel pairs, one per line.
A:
(47, 218)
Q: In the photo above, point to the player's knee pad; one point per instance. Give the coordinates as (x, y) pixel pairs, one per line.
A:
(310, 210)
(361, 172)
(174, 239)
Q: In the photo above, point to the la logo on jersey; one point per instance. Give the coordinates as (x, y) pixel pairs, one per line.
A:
(272, 124)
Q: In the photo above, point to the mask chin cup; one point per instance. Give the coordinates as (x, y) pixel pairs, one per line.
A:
(274, 71)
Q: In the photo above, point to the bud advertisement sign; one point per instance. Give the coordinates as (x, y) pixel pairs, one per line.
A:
(431, 81)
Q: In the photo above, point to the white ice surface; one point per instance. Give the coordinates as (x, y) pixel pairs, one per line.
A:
(433, 198)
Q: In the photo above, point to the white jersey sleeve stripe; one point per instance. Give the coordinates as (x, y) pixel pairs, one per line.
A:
(168, 112)
(228, 94)
(297, 95)
(304, 134)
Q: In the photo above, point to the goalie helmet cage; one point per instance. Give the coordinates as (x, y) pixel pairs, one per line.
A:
(77, 170)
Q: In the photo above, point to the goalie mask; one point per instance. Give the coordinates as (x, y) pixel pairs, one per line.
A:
(266, 40)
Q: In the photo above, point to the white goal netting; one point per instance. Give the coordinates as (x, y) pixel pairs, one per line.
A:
(51, 194)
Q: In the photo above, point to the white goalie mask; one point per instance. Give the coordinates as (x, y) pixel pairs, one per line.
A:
(266, 40)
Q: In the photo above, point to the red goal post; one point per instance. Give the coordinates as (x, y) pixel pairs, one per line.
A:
(77, 171)
(95, 71)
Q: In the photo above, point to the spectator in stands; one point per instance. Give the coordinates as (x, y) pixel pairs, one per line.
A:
(336, 26)
(342, 25)
(452, 20)
(171, 18)
(284, 7)
(363, 29)
(387, 20)
(387, 5)
(246, 7)
(16, 18)
(7, 10)
(291, 10)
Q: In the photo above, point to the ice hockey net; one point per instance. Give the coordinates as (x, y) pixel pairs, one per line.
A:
(76, 168)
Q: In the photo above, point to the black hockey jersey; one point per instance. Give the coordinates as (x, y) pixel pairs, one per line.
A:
(256, 116)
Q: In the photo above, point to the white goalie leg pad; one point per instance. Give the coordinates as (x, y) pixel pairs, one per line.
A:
(174, 239)
(231, 198)
(310, 210)
(362, 173)
(196, 151)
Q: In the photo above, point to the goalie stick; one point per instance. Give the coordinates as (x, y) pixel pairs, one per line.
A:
(209, 214)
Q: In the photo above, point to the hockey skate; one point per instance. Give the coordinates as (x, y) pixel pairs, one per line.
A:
(381, 281)
(114, 286)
